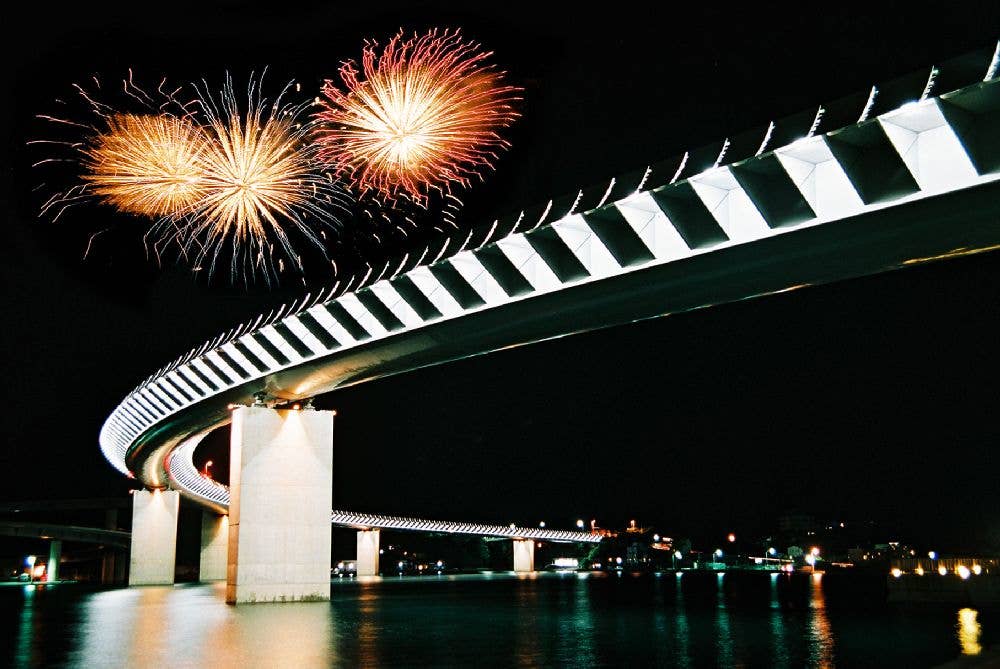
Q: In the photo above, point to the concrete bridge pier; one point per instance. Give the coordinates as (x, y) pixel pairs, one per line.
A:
(367, 559)
(214, 547)
(524, 555)
(154, 537)
(281, 493)
(55, 555)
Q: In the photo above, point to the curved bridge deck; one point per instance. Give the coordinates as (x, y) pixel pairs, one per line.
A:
(902, 175)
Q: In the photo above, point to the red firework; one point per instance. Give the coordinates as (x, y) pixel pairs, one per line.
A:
(424, 114)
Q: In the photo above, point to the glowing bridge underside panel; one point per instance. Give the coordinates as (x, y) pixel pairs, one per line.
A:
(902, 175)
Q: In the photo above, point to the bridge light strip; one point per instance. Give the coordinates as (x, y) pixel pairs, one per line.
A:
(300, 331)
(432, 289)
(185, 477)
(394, 302)
(330, 324)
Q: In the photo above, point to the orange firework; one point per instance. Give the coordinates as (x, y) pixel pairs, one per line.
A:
(424, 114)
(146, 164)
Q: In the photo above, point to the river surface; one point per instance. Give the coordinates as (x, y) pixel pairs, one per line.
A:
(491, 620)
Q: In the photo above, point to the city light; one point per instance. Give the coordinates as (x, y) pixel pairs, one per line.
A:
(656, 537)
(942, 570)
(977, 569)
(678, 555)
(896, 572)
(717, 553)
(920, 571)
(541, 524)
(963, 572)
(579, 523)
(731, 537)
(811, 560)
(566, 563)
(814, 551)
(932, 555)
(772, 551)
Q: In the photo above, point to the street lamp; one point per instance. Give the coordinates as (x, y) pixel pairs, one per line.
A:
(579, 523)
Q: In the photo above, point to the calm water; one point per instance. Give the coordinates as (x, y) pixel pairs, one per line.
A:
(490, 620)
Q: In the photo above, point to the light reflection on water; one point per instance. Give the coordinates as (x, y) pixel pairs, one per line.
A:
(969, 631)
(820, 632)
(548, 619)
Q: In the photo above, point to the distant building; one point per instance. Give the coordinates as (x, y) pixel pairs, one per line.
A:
(796, 524)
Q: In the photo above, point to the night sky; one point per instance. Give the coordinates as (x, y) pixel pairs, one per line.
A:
(872, 398)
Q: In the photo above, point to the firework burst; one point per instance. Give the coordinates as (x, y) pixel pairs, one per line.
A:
(217, 181)
(424, 113)
(138, 155)
(146, 164)
(259, 186)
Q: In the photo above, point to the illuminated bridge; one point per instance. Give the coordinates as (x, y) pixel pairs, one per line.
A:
(899, 175)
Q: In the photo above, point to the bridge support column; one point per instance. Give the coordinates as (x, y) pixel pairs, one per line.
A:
(214, 547)
(55, 555)
(367, 560)
(154, 537)
(281, 493)
(524, 555)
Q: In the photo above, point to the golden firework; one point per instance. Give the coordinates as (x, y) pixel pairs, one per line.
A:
(224, 178)
(146, 164)
(258, 181)
(425, 113)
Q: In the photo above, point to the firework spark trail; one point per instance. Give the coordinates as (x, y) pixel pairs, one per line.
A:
(423, 114)
(259, 180)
